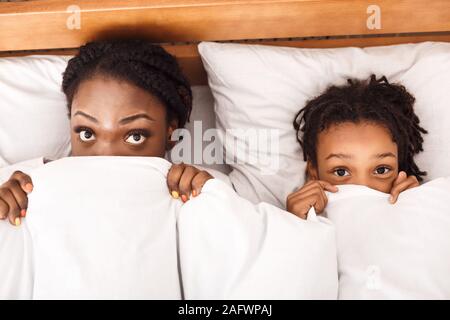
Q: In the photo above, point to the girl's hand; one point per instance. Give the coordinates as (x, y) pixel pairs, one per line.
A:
(14, 197)
(312, 194)
(184, 180)
(402, 183)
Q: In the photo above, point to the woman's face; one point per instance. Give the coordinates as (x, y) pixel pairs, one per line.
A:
(361, 153)
(110, 117)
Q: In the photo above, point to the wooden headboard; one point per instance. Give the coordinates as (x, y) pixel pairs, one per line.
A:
(60, 26)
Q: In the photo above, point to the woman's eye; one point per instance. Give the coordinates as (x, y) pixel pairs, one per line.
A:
(341, 172)
(86, 135)
(135, 138)
(382, 170)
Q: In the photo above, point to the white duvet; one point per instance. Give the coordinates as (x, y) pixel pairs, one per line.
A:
(106, 227)
(387, 251)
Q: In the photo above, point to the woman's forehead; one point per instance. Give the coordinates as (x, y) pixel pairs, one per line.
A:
(100, 95)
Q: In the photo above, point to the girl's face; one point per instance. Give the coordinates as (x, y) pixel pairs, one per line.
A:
(110, 117)
(356, 153)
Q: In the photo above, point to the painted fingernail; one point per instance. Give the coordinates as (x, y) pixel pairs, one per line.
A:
(28, 187)
(17, 221)
(183, 197)
(23, 213)
(194, 193)
(175, 194)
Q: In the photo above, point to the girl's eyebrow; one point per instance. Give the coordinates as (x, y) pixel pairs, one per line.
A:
(339, 155)
(384, 155)
(135, 117)
(81, 113)
(348, 156)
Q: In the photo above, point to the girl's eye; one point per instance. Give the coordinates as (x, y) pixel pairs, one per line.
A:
(382, 170)
(341, 172)
(135, 138)
(86, 135)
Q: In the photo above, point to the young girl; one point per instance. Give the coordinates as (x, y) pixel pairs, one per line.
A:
(125, 98)
(365, 133)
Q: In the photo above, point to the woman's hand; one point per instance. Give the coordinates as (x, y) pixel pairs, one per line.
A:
(184, 180)
(312, 194)
(402, 183)
(14, 197)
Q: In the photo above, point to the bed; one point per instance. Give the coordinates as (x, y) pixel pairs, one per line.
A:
(60, 26)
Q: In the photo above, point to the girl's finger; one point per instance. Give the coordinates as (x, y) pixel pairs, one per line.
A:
(319, 183)
(323, 200)
(400, 178)
(396, 190)
(414, 181)
(328, 186)
(301, 207)
(319, 203)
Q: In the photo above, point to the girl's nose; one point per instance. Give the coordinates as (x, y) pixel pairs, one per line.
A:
(364, 181)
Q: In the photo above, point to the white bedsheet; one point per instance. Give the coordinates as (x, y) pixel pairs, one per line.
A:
(106, 227)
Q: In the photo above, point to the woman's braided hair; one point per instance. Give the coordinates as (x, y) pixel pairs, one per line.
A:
(374, 100)
(146, 65)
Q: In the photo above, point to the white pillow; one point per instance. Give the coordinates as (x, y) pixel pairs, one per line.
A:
(387, 251)
(33, 112)
(263, 87)
(232, 249)
(103, 228)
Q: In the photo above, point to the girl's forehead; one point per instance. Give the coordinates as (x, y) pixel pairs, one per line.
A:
(355, 138)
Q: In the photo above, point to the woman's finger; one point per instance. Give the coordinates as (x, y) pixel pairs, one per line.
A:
(24, 181)
(4, 209)
(173, 179)
(185, 182)
(19, 195)
(198, 182)
(14, 209)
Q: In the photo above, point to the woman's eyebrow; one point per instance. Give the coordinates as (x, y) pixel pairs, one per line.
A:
(81, 113)
(339, 155)
(135, 117)
(384, 155)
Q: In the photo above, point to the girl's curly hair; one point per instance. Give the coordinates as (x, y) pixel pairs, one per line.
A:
(373, 100)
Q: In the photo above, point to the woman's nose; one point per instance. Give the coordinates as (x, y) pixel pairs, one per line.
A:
(104, 149)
